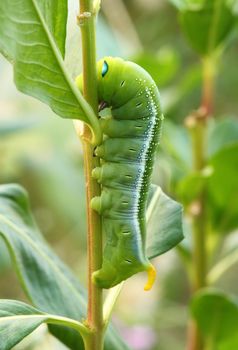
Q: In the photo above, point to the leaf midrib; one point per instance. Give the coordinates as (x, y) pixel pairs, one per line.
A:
(84, 105)
(47, 318)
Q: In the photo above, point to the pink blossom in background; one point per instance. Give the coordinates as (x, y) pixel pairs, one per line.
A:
(139, 337)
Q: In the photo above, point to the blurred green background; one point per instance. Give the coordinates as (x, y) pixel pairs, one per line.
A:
(41, 151)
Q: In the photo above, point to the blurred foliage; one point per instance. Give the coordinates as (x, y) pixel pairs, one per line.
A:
(220, 328)
(42, 153)
(214, 17)
(162, 66)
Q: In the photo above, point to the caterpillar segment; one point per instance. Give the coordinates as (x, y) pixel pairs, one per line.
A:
(131, 135)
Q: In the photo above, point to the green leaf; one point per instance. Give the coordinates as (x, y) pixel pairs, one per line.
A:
(32, 37)
(223, 187)
(49, 284)
(217, 317)
(191, 186)
(17, 320)
(164, 224)
(229, 343)
(179, 99)
(207, 24)
(222, 134)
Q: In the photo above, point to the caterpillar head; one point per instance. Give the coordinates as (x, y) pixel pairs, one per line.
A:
(108, 73)
(107, 66)
(119, 80)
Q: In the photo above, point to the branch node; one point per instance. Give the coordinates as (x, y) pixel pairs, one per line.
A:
(83, 17)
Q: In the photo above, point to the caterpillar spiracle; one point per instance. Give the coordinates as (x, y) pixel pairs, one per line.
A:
(131, 135)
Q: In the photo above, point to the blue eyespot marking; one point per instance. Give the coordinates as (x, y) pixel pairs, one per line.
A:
(105, 68)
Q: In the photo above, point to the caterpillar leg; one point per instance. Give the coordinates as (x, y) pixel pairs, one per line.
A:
(101, 203)
(96, 204)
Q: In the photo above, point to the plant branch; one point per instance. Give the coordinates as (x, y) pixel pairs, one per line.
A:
(197, 125)
(209, 72)
(67, 322)
(86, 20)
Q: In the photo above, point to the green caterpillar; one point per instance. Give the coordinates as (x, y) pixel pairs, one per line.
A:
(131, 135)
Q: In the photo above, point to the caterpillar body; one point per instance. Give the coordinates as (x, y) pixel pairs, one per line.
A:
(131, 135)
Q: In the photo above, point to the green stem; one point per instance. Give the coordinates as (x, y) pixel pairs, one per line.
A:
(209, 72)
(87, 23)
(197, 124)
(199, 207)
(87, 19)
(198, 212)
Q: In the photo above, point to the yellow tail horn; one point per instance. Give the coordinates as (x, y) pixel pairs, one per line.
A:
(151, 277)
